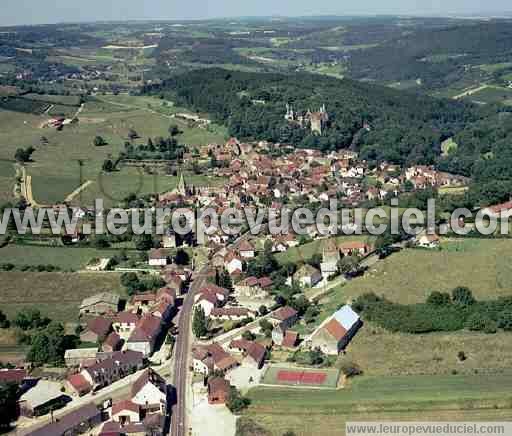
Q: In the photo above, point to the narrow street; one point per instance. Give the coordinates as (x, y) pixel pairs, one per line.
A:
(182, 351)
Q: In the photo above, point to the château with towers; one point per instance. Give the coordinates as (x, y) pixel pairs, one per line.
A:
(316, 121)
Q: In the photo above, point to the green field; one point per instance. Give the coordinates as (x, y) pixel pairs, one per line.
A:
(409, 276)
(7, 174)
(55, 169)
(67, 258)
(381, 353)
(70, 100)
(492, 68)
(114, 187)
(57, 295)
(324, 412)
(491, 94)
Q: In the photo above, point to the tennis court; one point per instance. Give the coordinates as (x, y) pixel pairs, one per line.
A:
(301, 377)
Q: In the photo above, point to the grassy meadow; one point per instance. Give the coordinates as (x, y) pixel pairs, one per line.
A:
(410, 276)
(57, 295)
(491, 94)
(381, 353)
(314, 412)
(7, 173)
(67, 258)
(55, 170)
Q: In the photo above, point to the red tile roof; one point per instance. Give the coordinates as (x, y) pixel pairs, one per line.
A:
(159, 253)
(335, 329)
(113, 340)
(284, 313)
(251, 281)
(290, 339)
(148, 376)
(253, 349)
(242, 344)
(126, 318)
(125, 405)
(100, 326)
(79, 383)
(257, 352)
(12, 375)
(218, 385)
(147, 329)
(148, 296)
(245, 246)
(265, 282)
(354, 245)
(501, 207)
(229, 311)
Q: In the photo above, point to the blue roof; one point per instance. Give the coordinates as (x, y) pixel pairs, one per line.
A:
(346, 317)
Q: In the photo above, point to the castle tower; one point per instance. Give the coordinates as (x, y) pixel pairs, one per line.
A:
(290, 115)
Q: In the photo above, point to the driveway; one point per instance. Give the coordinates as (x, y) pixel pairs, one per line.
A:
(245, 377)
(211, 420)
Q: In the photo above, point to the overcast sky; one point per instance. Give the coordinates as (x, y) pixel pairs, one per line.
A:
(51, 11)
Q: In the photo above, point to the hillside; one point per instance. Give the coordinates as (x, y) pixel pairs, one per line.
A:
(438, 57)
(405, 128)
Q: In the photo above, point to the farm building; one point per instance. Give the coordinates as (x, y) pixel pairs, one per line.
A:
(76, 356)
(78, 421)
(335, 333)
(42, 398)
(218, 390)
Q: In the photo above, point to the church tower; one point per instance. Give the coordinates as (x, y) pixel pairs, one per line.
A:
(181, 189)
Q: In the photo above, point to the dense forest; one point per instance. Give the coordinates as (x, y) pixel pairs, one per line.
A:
(438, 57)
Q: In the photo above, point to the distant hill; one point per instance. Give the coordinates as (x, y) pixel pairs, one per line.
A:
(437, 56)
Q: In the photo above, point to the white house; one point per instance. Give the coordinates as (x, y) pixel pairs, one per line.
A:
(233, 263)
(125, 412)
(207, 302)
(159, 257)
(201, 363)
(308, 276)
(150, 392)
(246, 250)
(145, 335)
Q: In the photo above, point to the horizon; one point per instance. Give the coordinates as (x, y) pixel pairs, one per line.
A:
(60, 12)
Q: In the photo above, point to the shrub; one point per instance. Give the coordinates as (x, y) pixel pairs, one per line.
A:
(350, 369)
(463, 296)
(248, 335)
(476, 322)
(505, 320)
(439, 299)
(236, 402)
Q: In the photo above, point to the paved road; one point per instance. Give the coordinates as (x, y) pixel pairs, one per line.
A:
(183, 349)
(181, 356)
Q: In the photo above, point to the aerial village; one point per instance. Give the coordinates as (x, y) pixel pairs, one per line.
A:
(245, 332)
